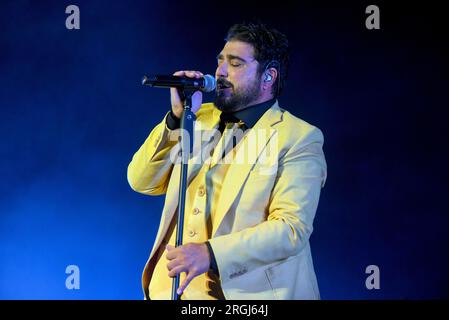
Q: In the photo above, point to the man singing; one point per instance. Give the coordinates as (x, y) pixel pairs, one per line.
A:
(247, 223)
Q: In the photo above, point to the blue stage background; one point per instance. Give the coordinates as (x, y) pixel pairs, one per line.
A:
(73, 112)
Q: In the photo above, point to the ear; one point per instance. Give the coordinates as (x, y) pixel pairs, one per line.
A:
(269, 78)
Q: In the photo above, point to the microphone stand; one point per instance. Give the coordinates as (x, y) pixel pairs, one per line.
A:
(186, 127)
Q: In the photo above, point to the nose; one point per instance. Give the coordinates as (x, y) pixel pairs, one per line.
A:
(222, 70)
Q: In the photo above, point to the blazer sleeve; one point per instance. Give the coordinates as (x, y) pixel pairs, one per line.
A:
(293, 202)
(150, 168)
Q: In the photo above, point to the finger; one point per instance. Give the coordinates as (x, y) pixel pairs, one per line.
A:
(190, 74)
(172, 253)
(197, 99)
(193, 74)
(173, 272)
(173, 264)
(186, 282)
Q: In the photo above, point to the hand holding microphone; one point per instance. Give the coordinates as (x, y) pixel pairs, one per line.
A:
(177, 105)
(194, 80)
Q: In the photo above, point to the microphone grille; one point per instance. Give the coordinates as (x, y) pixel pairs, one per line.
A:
(209, 83)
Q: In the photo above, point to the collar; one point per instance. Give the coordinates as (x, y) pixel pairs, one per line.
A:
(250, 115)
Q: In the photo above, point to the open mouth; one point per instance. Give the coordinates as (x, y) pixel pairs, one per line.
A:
(223, 85)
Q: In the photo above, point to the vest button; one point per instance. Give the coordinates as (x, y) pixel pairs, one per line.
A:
(196, 211)
(201, 191)
(191, 233)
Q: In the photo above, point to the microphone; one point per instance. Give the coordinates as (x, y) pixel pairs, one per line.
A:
(206, 83)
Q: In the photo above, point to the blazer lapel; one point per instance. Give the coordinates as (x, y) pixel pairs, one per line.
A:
(237, 172)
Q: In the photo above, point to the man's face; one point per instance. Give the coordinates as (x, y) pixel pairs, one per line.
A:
(238, 82)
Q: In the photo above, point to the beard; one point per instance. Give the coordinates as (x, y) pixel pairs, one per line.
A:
(238, 99)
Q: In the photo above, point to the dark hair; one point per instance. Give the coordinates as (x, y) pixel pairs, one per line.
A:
(270, 49)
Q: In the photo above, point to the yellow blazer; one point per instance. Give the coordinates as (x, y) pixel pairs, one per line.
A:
(265, 212)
